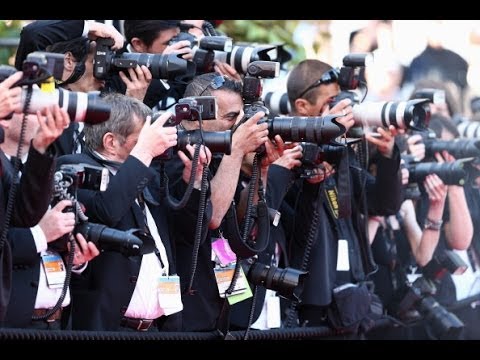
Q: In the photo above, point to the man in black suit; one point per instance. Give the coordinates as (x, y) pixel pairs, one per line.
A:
(117, 292)
(31, 292)
(33, 194)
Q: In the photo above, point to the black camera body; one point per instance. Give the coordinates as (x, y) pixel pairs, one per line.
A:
(168, 67)
(41, 68)
(197, 108)
(418, 296)
(314, 155)
(67, 180)
(38, 68)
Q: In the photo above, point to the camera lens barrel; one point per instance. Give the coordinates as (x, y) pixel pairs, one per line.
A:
(402, 114)
(82, 107)
(451, 173)
(315, 129)
(277, 102)
(106, 238)
(216, 141)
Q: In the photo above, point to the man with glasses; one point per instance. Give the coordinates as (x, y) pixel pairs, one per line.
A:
(343, 193)
(202, 303)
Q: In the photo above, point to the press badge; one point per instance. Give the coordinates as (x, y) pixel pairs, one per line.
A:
(343, 262)
(223, 252)
(224, 276)
(169, 294)
(54, 269)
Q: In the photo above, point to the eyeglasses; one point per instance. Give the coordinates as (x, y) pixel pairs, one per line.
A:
(215, 84)
(327, 78)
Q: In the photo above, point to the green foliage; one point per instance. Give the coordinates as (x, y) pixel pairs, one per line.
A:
(9, 29)
(265, 31)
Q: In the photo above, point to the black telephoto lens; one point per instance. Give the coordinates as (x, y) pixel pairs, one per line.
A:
(216, 141)
(458, 148)
(451, 173)
(106, 238)
(315, 129)
(443, 324)
(287, 282)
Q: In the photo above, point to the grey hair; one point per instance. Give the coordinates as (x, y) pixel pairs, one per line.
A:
(120, 122)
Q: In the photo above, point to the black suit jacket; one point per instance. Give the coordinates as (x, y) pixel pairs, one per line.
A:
(101, 294)
(19, 252)
(34, 191)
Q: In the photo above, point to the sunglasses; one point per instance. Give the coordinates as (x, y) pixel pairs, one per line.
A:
(215, 84)
(327, 78)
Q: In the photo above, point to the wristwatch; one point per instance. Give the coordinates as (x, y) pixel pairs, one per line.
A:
(433, 225)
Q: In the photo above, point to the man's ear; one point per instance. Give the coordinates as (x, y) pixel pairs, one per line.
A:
(108, 142)
(69, 62)
(302, 107)
(138, 45)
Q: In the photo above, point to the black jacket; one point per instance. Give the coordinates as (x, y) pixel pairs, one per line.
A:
(101, 294)
(383, 196)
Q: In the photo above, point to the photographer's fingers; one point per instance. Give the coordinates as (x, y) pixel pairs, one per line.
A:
(162, 119)
(11, 80)
(226, 69)
(97, 29)
(61, 205)
(84, 251)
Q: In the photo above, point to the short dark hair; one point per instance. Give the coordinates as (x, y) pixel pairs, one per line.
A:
(200, 85)
(79, 48)
(302, 76)
(147, 30)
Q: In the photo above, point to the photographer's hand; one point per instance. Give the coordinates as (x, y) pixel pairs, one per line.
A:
(321, 173)
(343, 107)
(205, 156)
(154, 139)
(227, 70)
(180, 47)
(56, 223)
(137, 81)
(97, 29)
(51, 127)
(84, 251)
(386, 142)
(248, 136)
(10, 97)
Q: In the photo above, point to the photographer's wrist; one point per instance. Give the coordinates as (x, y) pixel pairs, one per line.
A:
(435, 225)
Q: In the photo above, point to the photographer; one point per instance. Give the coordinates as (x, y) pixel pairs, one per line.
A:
(35, 187)
(458, 292)
(69, 37)
(202, 307)
(400, 246)
(153, 36)
(110, 294)
(339, 231)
